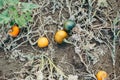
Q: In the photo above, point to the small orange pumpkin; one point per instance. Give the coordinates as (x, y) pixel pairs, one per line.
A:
(102, 75)
(14, 31)
(42, 42)
(60, 36)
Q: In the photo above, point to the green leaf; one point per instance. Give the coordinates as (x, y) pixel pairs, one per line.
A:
(18, 12)
(12, 2)
(28, 6)
(8, 2)
(2, 3)
(21, 21)
(12, 22)
(13, 12)
(28, 16)
(4, 17)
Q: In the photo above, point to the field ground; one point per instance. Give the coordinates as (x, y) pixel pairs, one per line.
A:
(93, 44)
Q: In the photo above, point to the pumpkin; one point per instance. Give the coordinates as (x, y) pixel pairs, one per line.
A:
(14, 31)
(102, 75)
(69, 25)
(42, 42)
(60, 36)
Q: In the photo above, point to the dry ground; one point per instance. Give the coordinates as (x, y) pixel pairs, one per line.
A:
(91, 46)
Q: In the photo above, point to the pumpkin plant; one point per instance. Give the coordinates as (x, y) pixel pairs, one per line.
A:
(14, 11)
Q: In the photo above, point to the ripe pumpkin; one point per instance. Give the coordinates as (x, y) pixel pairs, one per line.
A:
(42, 42)
(102, 75)
(60, 36)
(69, 25)
(14, 31)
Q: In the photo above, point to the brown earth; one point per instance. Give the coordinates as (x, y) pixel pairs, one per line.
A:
(63, 55)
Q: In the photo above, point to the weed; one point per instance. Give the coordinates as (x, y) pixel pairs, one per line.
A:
(14, 11)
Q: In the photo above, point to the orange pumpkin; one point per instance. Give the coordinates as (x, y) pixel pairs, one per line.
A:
(42, 42)
(102, 75)
(60, 36)
(14, 31)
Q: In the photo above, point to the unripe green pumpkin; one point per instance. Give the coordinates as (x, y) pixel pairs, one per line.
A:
(69, 25)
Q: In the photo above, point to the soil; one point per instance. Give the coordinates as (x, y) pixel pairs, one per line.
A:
(8, 67)
(63, 56)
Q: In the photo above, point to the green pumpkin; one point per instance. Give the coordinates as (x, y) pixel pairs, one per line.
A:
(69, 25)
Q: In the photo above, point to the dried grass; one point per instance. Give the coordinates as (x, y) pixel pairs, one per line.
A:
(92, 25)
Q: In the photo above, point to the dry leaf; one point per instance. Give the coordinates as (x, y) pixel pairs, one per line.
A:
(89, 46)
(39, 75)
(102, 3)
(72, 77)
